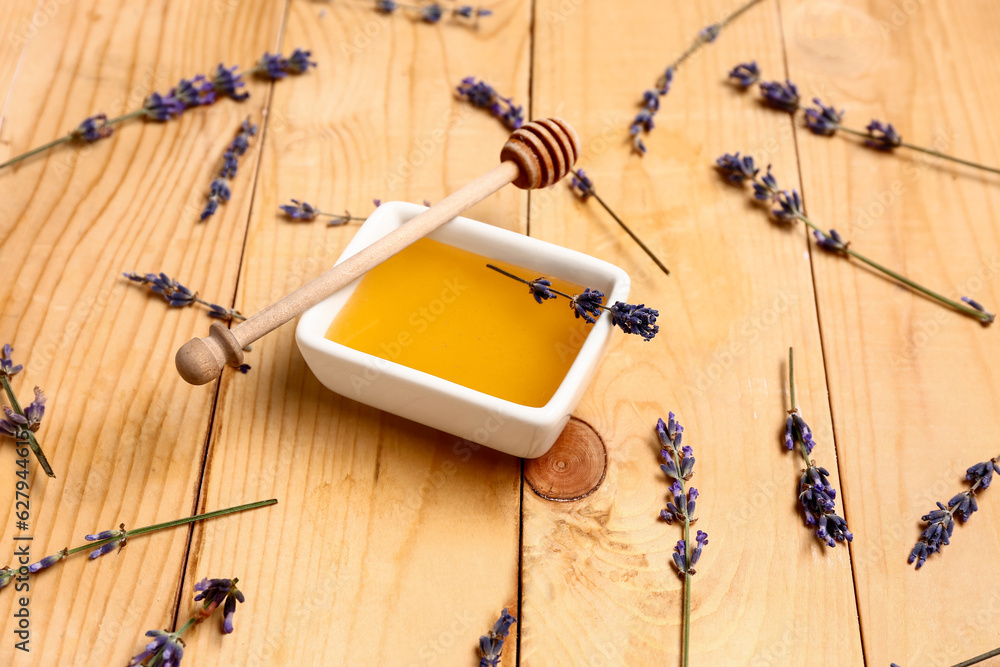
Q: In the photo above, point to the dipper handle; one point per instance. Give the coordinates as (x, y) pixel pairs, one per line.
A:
(536, 155)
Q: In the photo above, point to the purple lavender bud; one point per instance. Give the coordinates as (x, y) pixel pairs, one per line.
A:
(691, 504)
(881, 136)
(300, 210)
(226, 82)
(823, 120)
(784, 96)
(7, 367)
(491, 644)
(540, 288)
(211, 206)
(789, 206)
(194, 92)
(745, 74)
(36, 410)
(587, 305)
(680, 557)
(220, 592)
(162, 107)
(386, 6)
(219, 190)
(635, 319)
(299, 62)
(709, 33)
(767, 188)
(651, 100)
(737, 169)
(48, 561)
(789, 440)
(103, 535)
(93, 128)
(663, 84)
(981, 473)
(431, 13)
(831, 242)
(667, 516)
(669, 468)
(229, 165)
(643, 121)
(581, 185)
(271, 66)
(104, 549)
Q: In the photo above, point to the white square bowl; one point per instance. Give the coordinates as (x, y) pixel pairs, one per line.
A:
(421, 397)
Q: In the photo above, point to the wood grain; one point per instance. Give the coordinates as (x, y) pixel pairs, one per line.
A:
(124, 434)
(598, 584)
(394, 544)
(912, 386)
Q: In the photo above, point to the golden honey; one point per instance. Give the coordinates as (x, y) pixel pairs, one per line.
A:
(439, 309)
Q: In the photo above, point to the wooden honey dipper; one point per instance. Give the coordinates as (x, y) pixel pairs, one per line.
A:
(537, 155)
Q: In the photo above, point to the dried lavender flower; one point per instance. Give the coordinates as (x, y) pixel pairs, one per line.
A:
(162, 107)
(166, 650)
(882, 136)
(784, 96)
(21, 425)
(6, 575)
(643, 122)
(831, 242)
(7, 367)
(386, 6)
(789, 209)
(93, 129)
(789, 206)
(299, 62)
(737, 169)
(581, 185)
(491, 645)
(227, 83)
(179, 296)
(631, 319)
(48, 561)
(587, 304)
(678, 465)
(217, 592)
(816, 495)
(431, 13)
(194, 92)
(118, 540)
(483, 96)
(219, 190)
(745, 74)
(823, 120)
(941, 522)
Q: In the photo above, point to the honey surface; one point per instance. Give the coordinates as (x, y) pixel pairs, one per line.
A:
(439, 309)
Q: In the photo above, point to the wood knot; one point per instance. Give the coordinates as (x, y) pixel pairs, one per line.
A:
(573, 468)
(544, 151)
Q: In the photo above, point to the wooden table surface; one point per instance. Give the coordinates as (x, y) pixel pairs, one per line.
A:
(391, 545)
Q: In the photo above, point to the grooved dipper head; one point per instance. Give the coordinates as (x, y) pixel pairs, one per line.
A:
(544, 150)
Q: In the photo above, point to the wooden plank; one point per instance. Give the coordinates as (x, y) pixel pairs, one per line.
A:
(124, 434)
(20, 21)
(912, 385)
(598, 584)
(393, 543)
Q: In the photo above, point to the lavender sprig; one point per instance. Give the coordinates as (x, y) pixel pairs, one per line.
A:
(491, 645)
(167, 648)
(629, 318)
(643, 122)
(826, 121)
(484, 96)
(941, 522)
(197, 91)
(790, 208)
(583, 187)
(679, 466)
(433, 12)
(118, 538)
(303, 210)
(816, 495)
(21, 425)
(219, 188)
(179, 296)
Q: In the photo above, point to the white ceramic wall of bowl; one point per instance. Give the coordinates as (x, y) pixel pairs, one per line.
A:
(481, 418)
